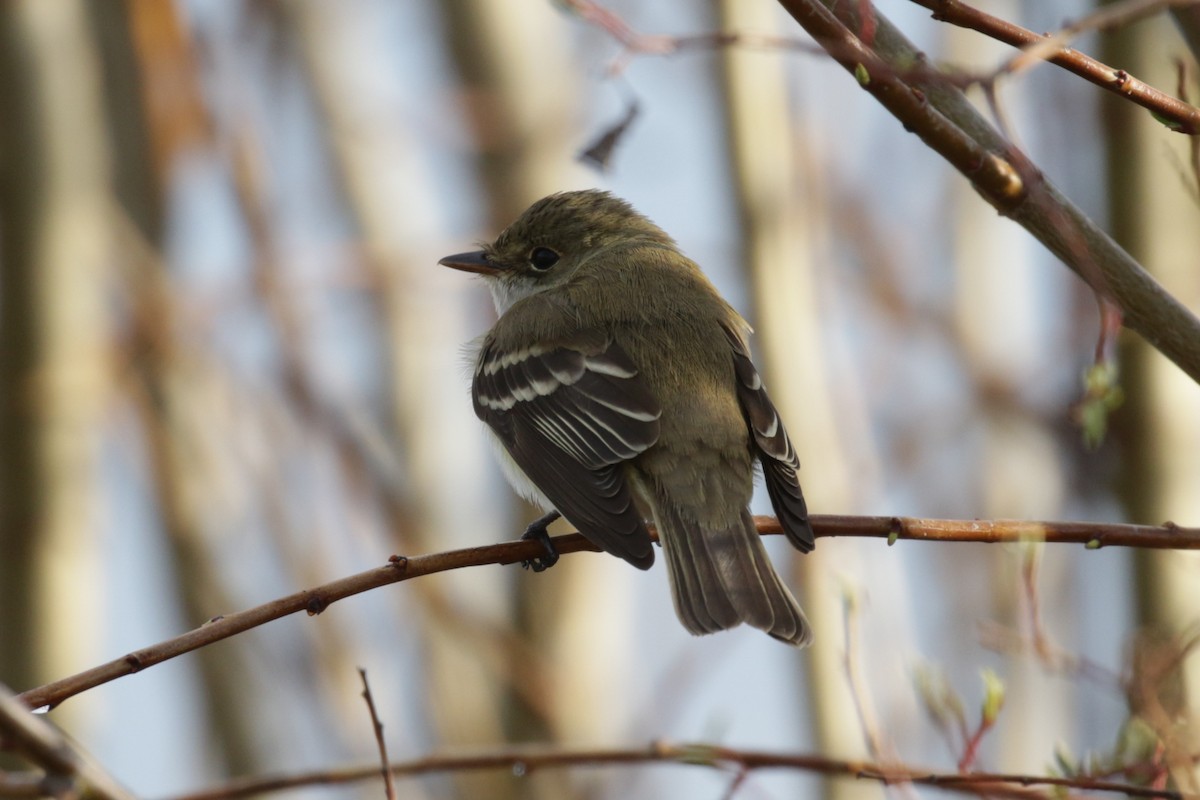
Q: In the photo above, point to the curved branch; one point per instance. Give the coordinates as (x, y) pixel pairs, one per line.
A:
(524, 760)
(401, 568)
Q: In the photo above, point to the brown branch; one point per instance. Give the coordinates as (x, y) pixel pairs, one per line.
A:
(401, 568)
(1109, 17)
(68, 771)
(930, 104)
(944, 119)
(385, 767)
(1180, 115)
(25, 784)
(525, 760)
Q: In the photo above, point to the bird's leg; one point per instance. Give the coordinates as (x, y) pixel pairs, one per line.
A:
(537, 532)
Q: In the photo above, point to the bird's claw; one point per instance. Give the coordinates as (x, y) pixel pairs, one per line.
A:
(536, 532)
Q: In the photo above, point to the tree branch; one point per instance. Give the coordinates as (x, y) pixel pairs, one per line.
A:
(68, 771)
(525, 760)
(1180, 116)
(401, 568)
(941, 116)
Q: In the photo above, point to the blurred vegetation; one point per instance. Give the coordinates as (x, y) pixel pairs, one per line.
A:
(229, 369)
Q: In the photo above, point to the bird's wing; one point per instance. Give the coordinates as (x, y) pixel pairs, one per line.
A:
(774, 448)
(569, 415)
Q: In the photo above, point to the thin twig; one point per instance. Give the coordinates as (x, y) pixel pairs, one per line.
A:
(1000, 639)
(389, 781)
(878, 745)
(525, 760)
(400, 568)
(944, 119)
(1180, 115)
(1108, 17)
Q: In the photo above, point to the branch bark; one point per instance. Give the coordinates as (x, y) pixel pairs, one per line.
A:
(1180, 117)
(69, 772)
(525, 760)
(939, 113)
(400, 568)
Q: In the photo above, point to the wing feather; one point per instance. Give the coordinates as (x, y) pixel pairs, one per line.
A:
(780, 464)
(569, 415)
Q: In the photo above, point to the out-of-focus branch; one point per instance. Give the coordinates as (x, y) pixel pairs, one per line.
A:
(942, 117)
(1179, 115)
(527, 759)
(377, 725)
(1187, 19)
(69, 772)
(314, 601)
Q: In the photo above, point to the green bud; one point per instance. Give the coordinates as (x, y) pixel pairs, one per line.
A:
(993, 696)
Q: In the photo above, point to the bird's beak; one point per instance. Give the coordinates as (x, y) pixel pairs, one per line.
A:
(476, 261)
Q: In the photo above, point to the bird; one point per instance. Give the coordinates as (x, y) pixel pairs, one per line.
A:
(619, 386)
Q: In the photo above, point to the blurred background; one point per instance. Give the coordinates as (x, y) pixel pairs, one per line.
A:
(231, 369)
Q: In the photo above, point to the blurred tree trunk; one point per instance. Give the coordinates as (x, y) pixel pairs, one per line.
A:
(524, 141)
(1002, 338)
(387, 193)
(472, 699)
(156, 118)
(784, 225)
(56, 251)
(1152, 198)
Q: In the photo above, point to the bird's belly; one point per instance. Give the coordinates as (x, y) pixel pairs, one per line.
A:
(516, 476)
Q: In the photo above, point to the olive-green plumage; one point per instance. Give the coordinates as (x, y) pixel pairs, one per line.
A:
(619, 384)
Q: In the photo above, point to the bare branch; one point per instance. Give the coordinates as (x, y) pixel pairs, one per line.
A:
(1113, 15)
(945, 120)
(400, 568)
(525, 760)
(1179, 115)
(389, 783)
(68, 770)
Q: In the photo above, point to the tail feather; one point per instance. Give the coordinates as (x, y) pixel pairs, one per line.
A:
(722, 577)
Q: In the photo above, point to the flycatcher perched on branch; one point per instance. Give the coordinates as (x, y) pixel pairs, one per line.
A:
(619, 384)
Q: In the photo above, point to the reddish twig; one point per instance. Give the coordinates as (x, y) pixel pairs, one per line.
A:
(1108, 17)
(526, 760)
(389, 781)
(971, 749)
(1178, 113)
(315, 600)
(634, 43)
(944, 119)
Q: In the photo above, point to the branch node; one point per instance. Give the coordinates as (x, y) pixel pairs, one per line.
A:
(1012, 187)
(315, 605)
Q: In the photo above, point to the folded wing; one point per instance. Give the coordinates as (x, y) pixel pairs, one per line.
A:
(569, 415)
(773, 447)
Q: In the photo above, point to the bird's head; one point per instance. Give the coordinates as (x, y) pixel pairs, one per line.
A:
(554, 241)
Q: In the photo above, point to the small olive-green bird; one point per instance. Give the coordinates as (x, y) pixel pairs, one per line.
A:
(620, 386)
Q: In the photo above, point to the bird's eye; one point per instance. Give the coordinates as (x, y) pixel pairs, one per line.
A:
(542, 258)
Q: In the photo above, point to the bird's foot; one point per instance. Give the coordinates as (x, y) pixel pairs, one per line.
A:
(537, 532)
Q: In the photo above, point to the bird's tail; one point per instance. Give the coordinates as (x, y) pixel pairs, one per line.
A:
(722, 577)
